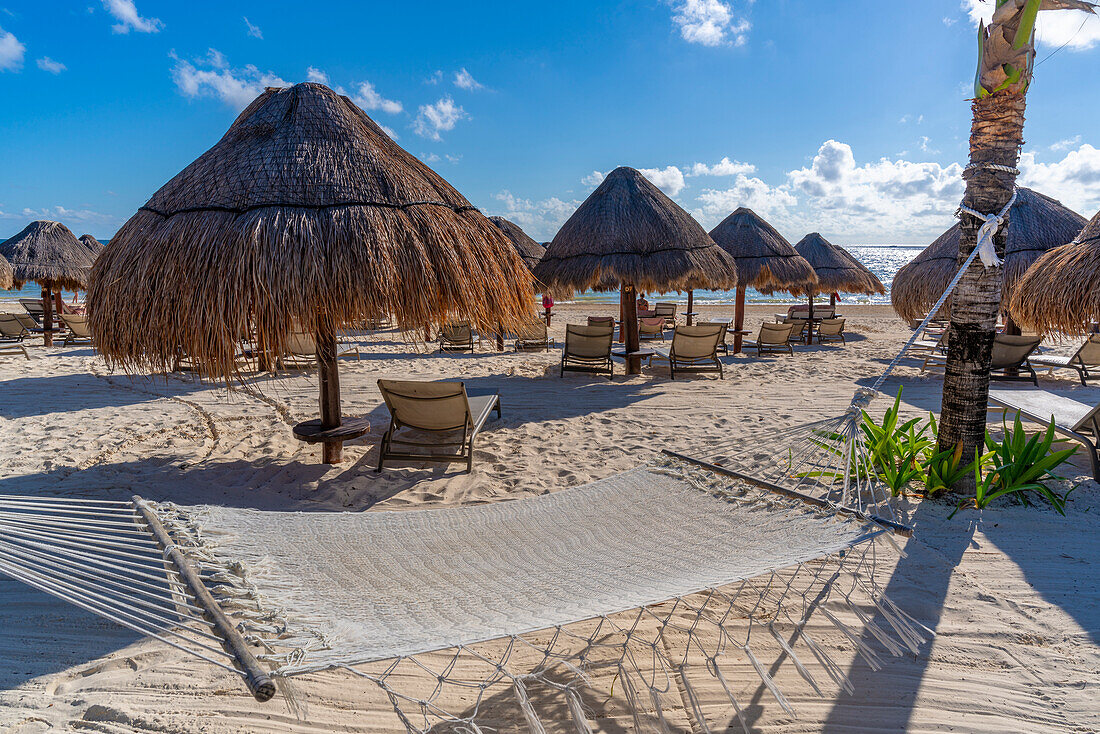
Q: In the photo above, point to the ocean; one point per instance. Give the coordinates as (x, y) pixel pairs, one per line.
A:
(883, 260)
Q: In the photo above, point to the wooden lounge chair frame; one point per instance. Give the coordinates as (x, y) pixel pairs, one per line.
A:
(1086, 356)
(779, 341)
(1079, 421)
(79, 333)
(533, 336)
(830, 330)
(587, 349)
(456, 411)
(694, 349)
(651, 327)
(457, 336)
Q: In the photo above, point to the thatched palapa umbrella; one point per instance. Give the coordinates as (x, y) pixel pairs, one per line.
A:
(628, 235)
(1060, 292)
(1036, 223)
(93, 245)
(837, 270)
(528, 249)
(765, 260)
(305, 216)
(47, 253)
(6, 277)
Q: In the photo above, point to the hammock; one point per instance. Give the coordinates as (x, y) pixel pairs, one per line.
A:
(670, 569)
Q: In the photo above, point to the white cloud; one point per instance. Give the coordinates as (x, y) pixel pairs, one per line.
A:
(11, 52)
(1074, 180)
(369, 99)
(429, 157)
(387, 129)
(593, 179)
(128, 18)
(253, 30)
(539, 219)
(47, 64)
(436, 118)
(1066, 144)
(1074, 29)
(465, 80)
(61, 214)
(949, 21)
(453, 159)
(213, 77)
(669, 179)
(767, 201)
(313, 74)
(435, 78)
(724, 167)
(709, 22)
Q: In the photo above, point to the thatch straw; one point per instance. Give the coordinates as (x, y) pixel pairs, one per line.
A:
(93, 245)
(627, 231)
(1061, 291)
(305, 215)
(47, 253)
(837, 270)
(765, 260)
(528, 249)
(1036, 224)
(6, 278)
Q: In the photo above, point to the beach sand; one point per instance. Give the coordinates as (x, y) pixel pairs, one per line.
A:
(1011, 592)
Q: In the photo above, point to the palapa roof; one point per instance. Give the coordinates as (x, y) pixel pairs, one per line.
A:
(1036, 224)
(837, 269)
(628, 231)
(528, 249)
(305, 215)
(47, 253)
(765, 260)
(6, 279)
(1060, 292)
(93, 245)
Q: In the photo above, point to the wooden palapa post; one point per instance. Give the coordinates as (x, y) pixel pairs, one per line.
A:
(739, 319)
(329, 378)
(629, 303)
(691, 305)
(500, 337)
(47, 316)
(810, 320)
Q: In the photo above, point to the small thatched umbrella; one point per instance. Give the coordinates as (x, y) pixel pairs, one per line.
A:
(305, 216)
(837, 271)
(765, 260)
(1061, 290)
(93, 245)
(47, 253)
(1036, 224)
(6, 277)
(528, 249)
(628, 235)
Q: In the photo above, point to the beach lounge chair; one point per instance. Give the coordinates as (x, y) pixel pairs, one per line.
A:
(1010, 358)
(79, 333)
(830, 330)
(533, 336)
(651, 328)
(301, 350)
(772, 339)
(601, 321)
(441, 408)
(33, 307)
(1086, 356)
(457, 336)
(798, 325)
(723, 348)
(1079, 421)
(666, 311)
(694, 349)
(12, 328)
(587, 349)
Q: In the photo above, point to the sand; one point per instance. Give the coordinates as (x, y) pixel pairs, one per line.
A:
(1011, 592)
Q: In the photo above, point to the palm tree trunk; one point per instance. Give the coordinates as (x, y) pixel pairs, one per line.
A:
(995, 140)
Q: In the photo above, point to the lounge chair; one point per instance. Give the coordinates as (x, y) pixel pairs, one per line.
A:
(772, 339)
(533, 336)
(1086, 356)
(436, 408)
(587, 349)
(457, 336)
(12, 329)
(666, 311)
(651, 328)
(28, 322)
(831, 330)
(723, 348)
(798, 327)
(79, 333)
(34, 309)
(1010, 357)
(301, 350)
(694, 349)
(601, 321)
(1079, 421)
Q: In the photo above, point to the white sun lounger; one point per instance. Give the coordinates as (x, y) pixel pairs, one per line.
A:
(1079, 421)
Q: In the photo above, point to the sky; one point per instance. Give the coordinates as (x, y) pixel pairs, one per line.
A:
(850, 119)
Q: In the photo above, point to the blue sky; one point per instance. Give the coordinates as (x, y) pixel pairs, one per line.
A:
(846, 118)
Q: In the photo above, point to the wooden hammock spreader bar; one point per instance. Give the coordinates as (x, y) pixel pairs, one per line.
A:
(256, 678)
(896, 527)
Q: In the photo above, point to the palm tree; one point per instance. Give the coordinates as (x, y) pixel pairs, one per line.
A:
(1006, 57)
